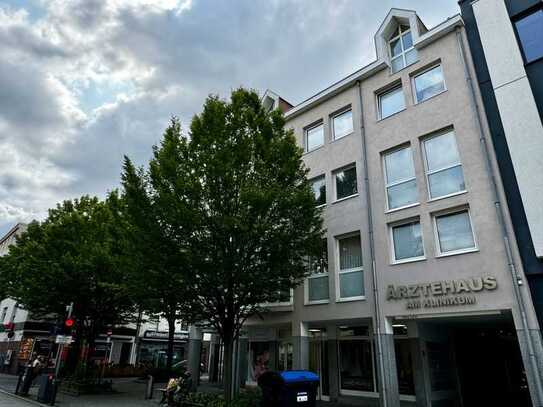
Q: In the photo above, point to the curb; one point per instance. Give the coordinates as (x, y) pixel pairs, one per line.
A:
(29, 401)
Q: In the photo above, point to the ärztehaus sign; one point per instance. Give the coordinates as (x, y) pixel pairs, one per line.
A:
(442, 293)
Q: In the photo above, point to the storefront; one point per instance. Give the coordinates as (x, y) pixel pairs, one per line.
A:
(153, 348)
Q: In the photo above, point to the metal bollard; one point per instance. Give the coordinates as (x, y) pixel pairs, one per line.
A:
(149, 388)
(19, 382)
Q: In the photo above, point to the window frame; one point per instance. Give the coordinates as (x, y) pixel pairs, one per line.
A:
(391, 89)
(307, 129)
(419, 73)
(338, 114)
(387, 185)
(398, 33)
(427, 172)
(326, 275)
(334, 175)
(515, 20)
(404, 222)
(454, 211)
(337, 263)
(312, 180)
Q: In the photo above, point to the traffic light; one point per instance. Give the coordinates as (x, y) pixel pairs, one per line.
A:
(68, 325)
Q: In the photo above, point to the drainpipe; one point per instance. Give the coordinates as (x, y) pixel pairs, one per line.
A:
(372, 253)
(516, 276)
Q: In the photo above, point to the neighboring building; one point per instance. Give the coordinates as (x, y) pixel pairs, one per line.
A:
(20, 335)
(419, 295)
(506, 42)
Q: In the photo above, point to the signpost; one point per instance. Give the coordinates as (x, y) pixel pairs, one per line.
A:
(63, 340)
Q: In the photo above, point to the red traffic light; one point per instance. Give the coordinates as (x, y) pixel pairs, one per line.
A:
(69, 322)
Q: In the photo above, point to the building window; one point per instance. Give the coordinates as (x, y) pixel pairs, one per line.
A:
(530, 32)
(314, 137)
(428, 84)
(407, 242)
(351, 274)
(454, 233)
(391, 102)
(317, 282)
(401, 184)
(402, 52)
(318, 185)
(443, 166)
(342, 124)
(346, 182)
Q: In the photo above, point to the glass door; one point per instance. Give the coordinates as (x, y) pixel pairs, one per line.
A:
(318, 363)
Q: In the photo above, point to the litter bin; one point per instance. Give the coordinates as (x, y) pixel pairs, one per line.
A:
(295, 388)
(46, 390)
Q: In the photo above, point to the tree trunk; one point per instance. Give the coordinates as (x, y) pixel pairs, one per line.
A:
(228, 342)
(171, 337)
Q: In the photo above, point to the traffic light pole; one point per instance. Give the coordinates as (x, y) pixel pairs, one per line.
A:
(70, 309)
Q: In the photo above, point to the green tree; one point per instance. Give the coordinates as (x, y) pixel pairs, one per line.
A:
(158, 227)
(254, 214)
(75, 255)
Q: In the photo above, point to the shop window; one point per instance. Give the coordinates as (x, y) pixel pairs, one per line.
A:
(401, 184)
(391, 102)
(342, 124)
(285, 356)
(428, 84)
(443, 166)
(351, 274)
(356, 366)
(317, 282)
(314, 137)
(345, 181)
(454, 233)
(530, 32)
(259, 360)
(407, 242)
(404, 366)
(318, 185)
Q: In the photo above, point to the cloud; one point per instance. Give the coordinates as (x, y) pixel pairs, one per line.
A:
(83, 82)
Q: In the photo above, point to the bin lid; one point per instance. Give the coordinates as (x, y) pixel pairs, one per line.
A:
(295, 376)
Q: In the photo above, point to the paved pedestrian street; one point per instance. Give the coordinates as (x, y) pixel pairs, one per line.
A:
(10, 401)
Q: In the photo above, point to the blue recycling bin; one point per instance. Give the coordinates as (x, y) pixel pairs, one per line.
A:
(294, 388)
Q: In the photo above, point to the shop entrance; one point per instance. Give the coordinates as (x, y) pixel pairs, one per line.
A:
(318, 363)
(490, 368)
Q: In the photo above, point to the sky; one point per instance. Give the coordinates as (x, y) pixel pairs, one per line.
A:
(85, 82)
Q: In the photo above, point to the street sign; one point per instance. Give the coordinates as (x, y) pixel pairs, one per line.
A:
(63, 339)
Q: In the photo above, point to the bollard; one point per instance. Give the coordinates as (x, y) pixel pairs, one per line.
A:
(54, 391)
(19, 382)
(149, 388)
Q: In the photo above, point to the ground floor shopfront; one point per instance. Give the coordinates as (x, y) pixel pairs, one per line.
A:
(463, 360)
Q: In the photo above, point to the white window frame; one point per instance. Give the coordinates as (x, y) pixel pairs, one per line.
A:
(393, 184)
(428, 172)
(306, 133)
(337, 263)
(386, 92)
(402, 54)
(453, 211)
(280, 303)
(334, 175)
(336, 115)
(318, 275)
(393, 259)
(414, 86)
(323, 176)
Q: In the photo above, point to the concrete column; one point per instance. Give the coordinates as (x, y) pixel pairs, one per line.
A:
(387, 370)
(300, 346)
(422, 390)
(333, 363)
(532, 375)
(195, 348)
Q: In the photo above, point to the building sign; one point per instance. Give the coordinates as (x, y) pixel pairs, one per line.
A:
(178, 336)
(442, 293)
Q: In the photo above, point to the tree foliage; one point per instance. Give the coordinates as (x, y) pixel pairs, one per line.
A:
(75, 255)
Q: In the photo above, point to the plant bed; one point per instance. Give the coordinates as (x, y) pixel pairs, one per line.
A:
(77, 387)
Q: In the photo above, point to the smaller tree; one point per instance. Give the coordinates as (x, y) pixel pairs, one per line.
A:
(159, 244)
(75, 255)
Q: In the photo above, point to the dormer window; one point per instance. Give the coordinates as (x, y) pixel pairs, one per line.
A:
(400, 45)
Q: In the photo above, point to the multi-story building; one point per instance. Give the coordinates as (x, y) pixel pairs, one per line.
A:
(420, 295)
(506, 43)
